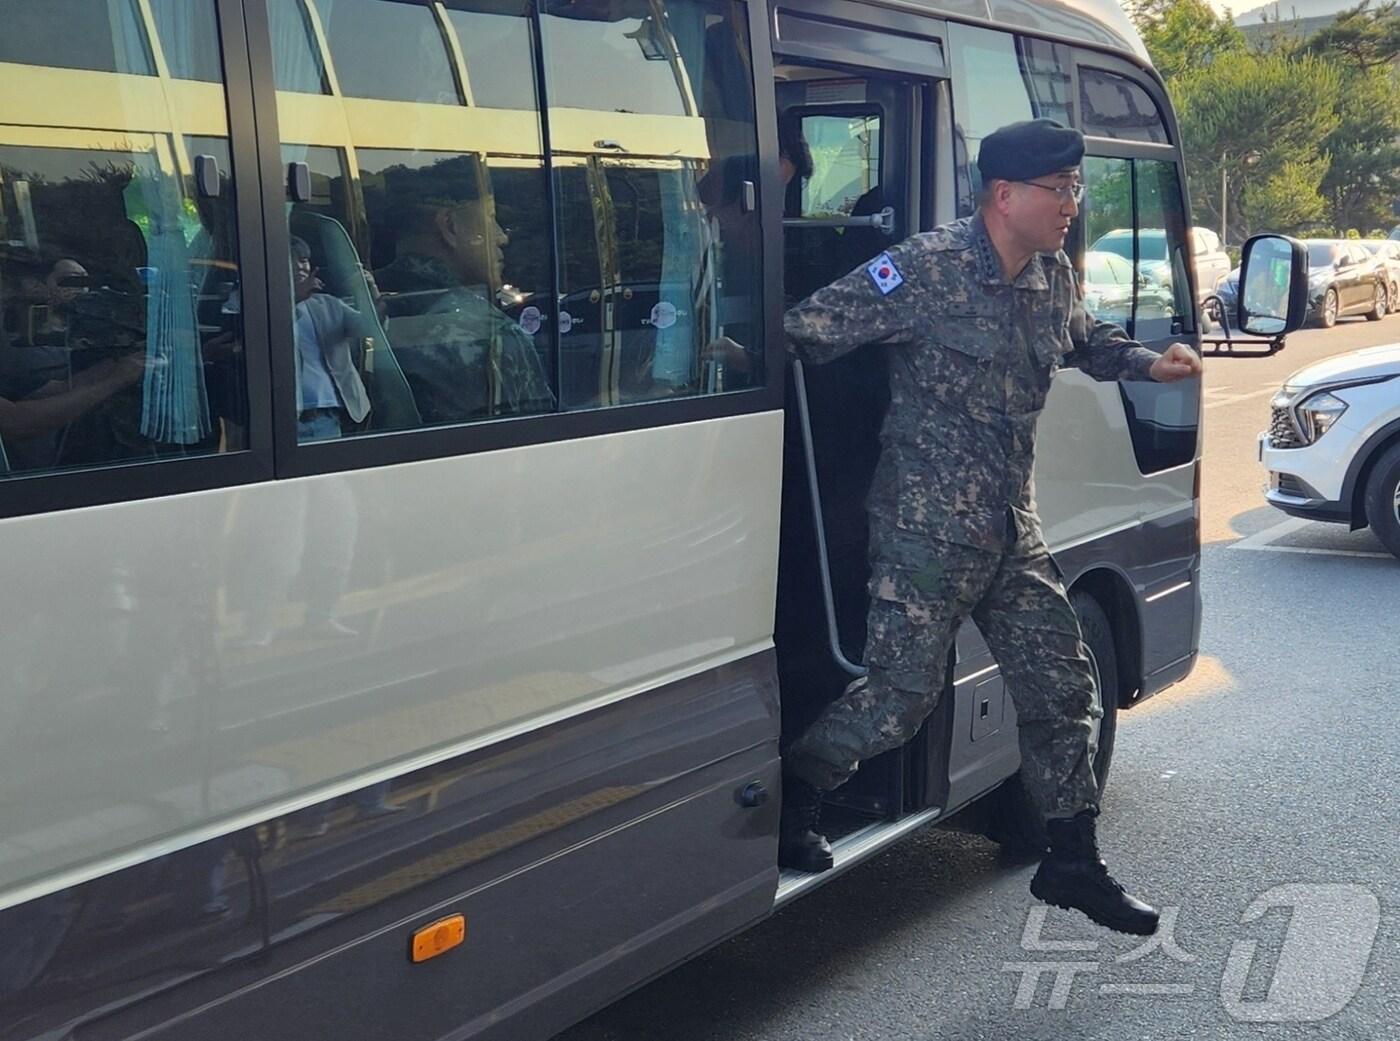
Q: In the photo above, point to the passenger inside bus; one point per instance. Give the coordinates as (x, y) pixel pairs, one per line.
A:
(330, 394)
(40, 394)
(463, 356)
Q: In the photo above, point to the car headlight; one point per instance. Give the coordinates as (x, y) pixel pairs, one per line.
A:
(1317, 413)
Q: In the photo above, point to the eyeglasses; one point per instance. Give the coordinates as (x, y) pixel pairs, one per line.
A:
(1066, 192)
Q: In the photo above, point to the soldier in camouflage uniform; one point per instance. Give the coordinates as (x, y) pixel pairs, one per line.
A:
(978, 315)
(463, 357)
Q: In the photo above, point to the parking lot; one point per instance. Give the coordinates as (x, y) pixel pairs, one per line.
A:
(1251, 800)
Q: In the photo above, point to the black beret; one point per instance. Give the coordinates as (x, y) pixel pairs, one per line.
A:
(1034, 148)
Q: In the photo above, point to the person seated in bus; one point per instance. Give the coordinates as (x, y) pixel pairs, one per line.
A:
(976, 316)
(330, 394)
(49, 302)
(464, 358)
(56, 404)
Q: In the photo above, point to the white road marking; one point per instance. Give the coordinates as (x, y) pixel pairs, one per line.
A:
(1265, 541)
(1232, 398)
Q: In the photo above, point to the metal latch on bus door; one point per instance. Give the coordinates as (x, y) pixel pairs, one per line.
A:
(884, 221)
(299, 182)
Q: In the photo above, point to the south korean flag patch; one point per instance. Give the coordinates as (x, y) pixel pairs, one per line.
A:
(884, 274)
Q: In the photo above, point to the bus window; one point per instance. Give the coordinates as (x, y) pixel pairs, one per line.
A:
(846, 157)
(1134, 223)
(986, 64)
(499, 50)
(1151, 238)
(655, 164)
(420, 263)
(77, 34)
(189, 36)
(1164, 294)
(1107, 218)
(119, 282)
(1117, 107)
(297, 61)
(391, 51)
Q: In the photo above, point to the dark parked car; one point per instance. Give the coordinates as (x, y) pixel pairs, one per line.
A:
(1343, 279)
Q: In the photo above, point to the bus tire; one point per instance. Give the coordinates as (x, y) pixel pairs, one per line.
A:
(1014, 823)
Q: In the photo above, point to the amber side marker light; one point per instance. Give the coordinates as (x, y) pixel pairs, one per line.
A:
(438, 938)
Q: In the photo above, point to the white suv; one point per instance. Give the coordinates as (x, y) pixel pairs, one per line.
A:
(1333, 446)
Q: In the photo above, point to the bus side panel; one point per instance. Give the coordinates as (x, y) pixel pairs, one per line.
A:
(585, 857)
(168, 680)
(1145, 524)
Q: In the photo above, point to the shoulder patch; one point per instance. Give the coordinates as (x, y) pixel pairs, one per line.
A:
(884, 274)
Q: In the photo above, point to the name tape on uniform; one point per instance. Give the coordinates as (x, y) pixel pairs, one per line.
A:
(884, 274)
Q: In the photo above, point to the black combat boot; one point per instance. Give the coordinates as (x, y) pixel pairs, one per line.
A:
(1075, 878)
(801, 845)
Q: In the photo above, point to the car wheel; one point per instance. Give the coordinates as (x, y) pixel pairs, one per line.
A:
(1378, 304)
(1015, 824)
(1383, 499)
(1327, 313)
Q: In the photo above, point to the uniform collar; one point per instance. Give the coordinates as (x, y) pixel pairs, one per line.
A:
(1032, 276)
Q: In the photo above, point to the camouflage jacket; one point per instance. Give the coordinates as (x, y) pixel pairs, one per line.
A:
(971, 358)
(462, 356)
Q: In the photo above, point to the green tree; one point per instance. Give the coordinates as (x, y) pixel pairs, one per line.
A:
(1288, 200)
(1364, 37)
(1184, 34)
(1364, 176)
(1261, 119)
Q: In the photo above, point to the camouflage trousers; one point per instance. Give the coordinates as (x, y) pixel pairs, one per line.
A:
(921, 590)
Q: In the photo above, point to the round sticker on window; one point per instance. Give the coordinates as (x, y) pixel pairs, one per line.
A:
(663, 315)
(530, 320)
(566, 322)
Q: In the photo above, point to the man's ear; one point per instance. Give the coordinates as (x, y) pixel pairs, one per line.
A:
(446, 224)
(1001, 194)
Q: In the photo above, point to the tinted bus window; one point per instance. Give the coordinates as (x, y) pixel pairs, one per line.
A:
(1117, 107)
(296, 57)
(189, 39)
(389, 50)
(76, 34)
(120, 314)
(420, 264)
(654, 143)
(499, 53)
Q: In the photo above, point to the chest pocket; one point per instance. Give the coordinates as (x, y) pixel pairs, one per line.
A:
(1050, 335)
(974, 329)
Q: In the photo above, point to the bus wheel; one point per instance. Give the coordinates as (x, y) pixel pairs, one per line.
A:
(1014, 823)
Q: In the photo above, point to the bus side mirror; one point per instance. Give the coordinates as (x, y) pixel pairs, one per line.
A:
(1273, 298)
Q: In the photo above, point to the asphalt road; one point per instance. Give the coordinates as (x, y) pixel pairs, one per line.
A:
(1252, 801)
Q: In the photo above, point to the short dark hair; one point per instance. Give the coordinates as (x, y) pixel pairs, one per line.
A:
(793, 146)
(413, 196)
(301, 249)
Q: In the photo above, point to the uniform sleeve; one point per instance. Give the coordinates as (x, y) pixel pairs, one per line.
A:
(854, 311)
(1103, 350)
